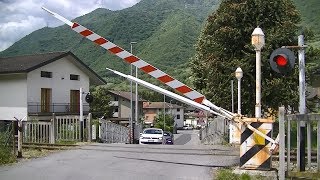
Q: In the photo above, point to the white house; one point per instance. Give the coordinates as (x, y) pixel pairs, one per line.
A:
(152, 109)
(120, 102)
(38, 85)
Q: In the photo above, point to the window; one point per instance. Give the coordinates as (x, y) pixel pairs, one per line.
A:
(46, 74)
(178, 116)
(74, 77)
(116, 110)
(178, 109)
(116, 98)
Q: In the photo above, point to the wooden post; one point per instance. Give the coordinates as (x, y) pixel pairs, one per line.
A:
(298, 144)
(19, 139)
(89, 126)
(318, 145)
(309, 143)
(281, 172)
(52, 132)
(14, 138)
(288, 144)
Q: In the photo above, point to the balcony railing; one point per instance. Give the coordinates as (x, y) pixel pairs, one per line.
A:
(65, 108)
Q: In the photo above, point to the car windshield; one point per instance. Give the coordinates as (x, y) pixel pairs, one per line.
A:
(152, 131)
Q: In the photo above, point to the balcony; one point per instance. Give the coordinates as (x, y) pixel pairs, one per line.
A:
(35, 108)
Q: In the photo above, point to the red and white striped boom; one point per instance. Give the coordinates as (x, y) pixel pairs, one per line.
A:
(154, 72)
(139, 63)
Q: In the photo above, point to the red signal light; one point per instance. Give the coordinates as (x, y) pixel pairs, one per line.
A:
(281, 60)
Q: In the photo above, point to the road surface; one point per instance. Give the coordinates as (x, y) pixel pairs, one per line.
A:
(186, 160)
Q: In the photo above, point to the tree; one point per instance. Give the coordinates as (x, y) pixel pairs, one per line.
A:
(169, 122)
(101, 102)
(225, 44)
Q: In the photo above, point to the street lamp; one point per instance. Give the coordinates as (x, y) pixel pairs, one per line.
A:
(131, 98)
(239, 75)
(258, 41)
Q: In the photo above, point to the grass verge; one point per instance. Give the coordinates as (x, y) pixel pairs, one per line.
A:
(223, 174)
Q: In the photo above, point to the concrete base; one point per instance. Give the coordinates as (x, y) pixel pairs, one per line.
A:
(269, 175)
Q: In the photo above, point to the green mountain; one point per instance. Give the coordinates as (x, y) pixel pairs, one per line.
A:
(165, 32)
(309, 10)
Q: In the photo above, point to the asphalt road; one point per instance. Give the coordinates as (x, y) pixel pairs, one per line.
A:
(187, 160)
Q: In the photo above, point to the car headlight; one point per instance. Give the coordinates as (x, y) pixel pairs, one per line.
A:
(160, 138)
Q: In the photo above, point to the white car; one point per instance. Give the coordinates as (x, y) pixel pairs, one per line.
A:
(152, 136)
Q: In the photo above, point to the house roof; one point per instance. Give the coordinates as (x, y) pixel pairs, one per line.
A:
(27, 63)
(126, 95)
(159, 105)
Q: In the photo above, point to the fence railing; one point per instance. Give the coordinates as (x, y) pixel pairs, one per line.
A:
(215, 132)
(113, 133)
(289, 131)
(37, 107)
(60, 128)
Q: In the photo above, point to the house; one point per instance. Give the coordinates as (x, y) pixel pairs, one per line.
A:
(195, 117)
(38, 85)
(151, 109)
(120, 101)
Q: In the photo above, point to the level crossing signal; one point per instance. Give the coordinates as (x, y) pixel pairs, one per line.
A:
(282, 61)
(89, 98)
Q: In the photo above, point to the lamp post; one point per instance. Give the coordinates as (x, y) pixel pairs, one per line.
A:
(131, 98)
(239, 75)
(258, 41)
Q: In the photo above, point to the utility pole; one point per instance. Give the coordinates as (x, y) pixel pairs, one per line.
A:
(81, 114)
(302, 101)
(164, 112)
(131, 100)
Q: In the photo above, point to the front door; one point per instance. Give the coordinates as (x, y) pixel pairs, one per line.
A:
(75, 101)
(45, 99)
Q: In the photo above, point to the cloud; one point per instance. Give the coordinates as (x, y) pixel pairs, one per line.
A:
(21, 17)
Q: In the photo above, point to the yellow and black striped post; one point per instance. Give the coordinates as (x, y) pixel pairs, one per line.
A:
(254, 149)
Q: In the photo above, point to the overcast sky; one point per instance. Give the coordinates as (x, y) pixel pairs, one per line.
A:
(19, 18)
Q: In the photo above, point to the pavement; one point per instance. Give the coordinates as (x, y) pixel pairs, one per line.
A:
(186, 160)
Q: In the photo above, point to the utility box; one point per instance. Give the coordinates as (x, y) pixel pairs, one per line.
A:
(254, 149)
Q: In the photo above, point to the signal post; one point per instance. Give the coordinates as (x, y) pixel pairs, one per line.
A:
(282, 61)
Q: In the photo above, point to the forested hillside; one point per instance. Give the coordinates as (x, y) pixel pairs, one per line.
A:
(310, 15)
(165, 32)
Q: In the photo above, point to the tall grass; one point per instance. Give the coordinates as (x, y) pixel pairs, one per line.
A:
(6, 147)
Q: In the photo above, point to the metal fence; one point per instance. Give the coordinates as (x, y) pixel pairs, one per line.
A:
(215, 132)
(37, 107)
(113, 133)
(7, 136)
(289, 131)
